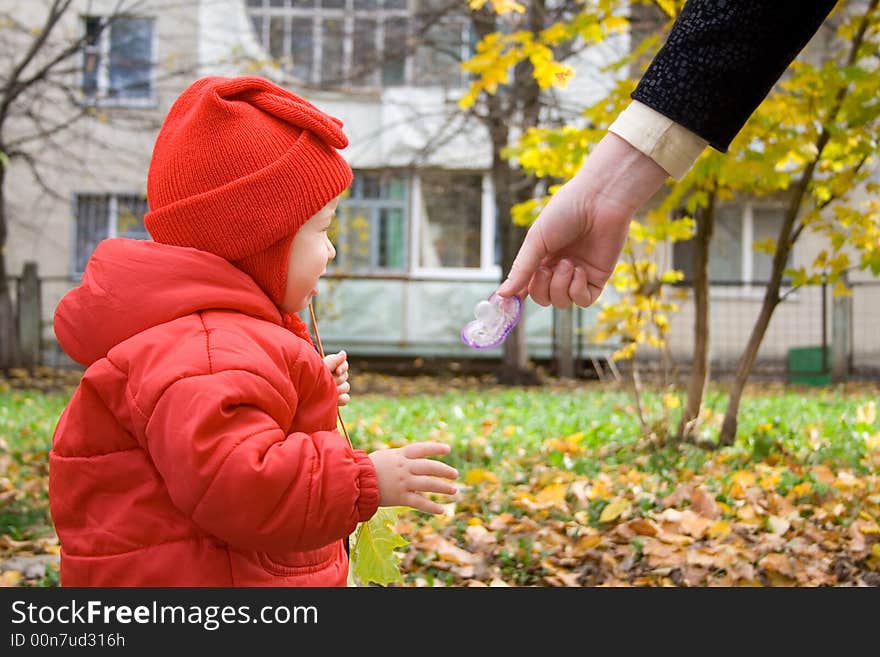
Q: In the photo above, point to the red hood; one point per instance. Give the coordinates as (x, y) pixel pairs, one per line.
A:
(132, 285)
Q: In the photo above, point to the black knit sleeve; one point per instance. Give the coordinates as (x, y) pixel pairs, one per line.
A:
(721, 59)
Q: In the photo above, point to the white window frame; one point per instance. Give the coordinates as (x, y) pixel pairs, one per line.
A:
(317, 15)
(404, 204)
(488, 270)
(749, 289)
(348, 15)
(112, 219)
(103, 74)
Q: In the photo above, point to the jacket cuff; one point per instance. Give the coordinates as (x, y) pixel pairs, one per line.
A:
(672, 146)
(368, 500)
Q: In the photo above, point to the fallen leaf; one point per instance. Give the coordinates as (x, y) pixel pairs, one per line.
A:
(704, 504)
(552, 495)
(777, 525)
(614, 510)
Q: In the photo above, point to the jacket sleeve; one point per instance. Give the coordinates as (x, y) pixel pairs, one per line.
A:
(722, 58)
(216, 440)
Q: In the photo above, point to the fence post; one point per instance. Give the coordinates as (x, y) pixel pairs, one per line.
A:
(30, 328)
(563, 334)
(841, 322)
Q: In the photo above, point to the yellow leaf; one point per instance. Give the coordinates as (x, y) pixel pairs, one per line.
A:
(867, 413)
(10, 578)
(614, 510)
(671, 401)
(718, 529)
(479, 476)
(778, 525)
(509, 430)
(373, 556)
(552, 494)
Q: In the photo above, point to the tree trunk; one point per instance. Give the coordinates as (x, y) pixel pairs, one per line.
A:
(699, 376)
(520, 100)
(8, 331)
(784, 243)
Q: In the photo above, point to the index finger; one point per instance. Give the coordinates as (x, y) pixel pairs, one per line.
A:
(526, 262)
(423, 449)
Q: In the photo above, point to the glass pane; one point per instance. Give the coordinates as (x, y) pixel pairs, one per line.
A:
(331, 51)
(91, 226)
(366, 4)
(364, 65)
(683, 258)
(439, 56)
(766, 223)
(354, 239)
(276, 37)
(391, 238)
(131, 54)
(277, 3)
(395, 4)
(257, 22)
(91, 58)
(302, 3)
(255, 3)
(130, 212)
(394, 52)
(395, 188)
(301, 45)
(371, 185)
(333, 4)
(451, 212)
(726, 249)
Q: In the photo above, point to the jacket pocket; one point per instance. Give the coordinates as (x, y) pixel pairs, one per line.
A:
(289, 564)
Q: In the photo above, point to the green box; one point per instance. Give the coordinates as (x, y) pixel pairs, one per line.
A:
(805, 366)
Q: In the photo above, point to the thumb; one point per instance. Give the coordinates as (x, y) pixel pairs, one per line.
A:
(525, 264)
(334, 360)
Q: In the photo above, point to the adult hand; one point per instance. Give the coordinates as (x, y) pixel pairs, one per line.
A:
(571, 249)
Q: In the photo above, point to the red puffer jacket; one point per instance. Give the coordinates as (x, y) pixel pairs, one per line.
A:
(200, 448)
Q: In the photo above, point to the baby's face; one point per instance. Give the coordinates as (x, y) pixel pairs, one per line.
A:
(310, 252)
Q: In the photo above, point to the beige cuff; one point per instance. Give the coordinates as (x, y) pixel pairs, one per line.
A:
(672, 146)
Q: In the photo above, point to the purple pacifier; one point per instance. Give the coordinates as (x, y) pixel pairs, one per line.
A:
(495, 318)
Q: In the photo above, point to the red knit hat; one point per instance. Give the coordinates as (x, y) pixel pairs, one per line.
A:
(239, 165)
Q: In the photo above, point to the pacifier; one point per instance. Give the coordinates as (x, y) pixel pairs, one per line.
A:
(495, 318)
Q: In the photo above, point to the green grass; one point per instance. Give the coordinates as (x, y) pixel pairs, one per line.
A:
(27, 420)
(500, 429)
(808, 426)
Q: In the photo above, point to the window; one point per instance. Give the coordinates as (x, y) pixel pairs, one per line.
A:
(118, 59)
(371, 227)
(451, 211)
(363, 43)
(732, 259)
(99, 216)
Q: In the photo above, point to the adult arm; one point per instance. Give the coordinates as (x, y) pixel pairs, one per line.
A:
(719, 61)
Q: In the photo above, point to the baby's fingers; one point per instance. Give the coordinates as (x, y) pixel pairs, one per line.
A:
(421, 503)
(432, 485)
(433, 469)
(423, 449)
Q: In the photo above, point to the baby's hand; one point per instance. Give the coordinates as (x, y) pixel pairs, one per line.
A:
(404, 472)
(338, 366)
